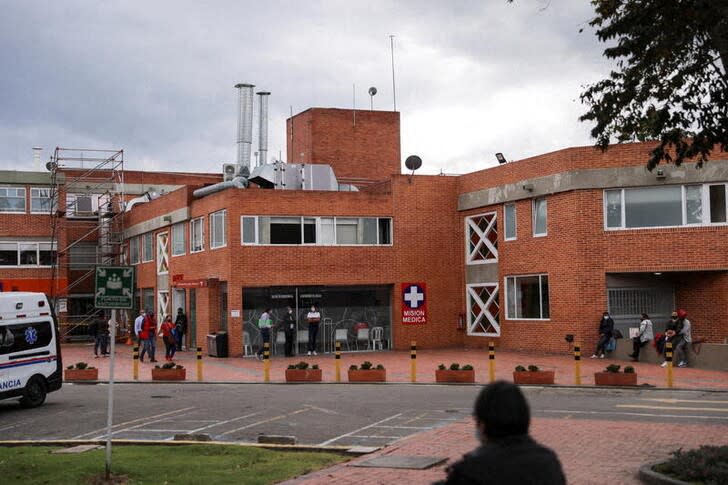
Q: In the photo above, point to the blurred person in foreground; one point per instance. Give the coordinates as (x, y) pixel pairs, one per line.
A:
(507, 454)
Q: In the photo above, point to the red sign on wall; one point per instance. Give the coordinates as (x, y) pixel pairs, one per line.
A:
(414, 304)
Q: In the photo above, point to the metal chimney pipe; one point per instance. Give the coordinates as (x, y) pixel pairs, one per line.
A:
(262, 127)
(37, 165)
(245, 128)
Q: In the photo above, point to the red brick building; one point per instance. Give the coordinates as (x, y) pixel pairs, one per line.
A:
(524, 253)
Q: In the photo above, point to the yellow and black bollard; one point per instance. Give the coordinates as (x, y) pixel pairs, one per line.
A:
(199, 364)
(135, 366)
(668, 359)
(338, 361)
(577, 364)
(413, 361)
(491, 361)
(266, 362)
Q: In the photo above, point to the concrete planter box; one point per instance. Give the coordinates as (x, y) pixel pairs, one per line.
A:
(304, 375)
(647, 474)
(81, 375)
(169, 374)
(534, 377)
(615, 379)
(371, 375)
(447, 375)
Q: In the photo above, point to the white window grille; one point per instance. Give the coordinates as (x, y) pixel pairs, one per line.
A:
(483, 310)
(481, 232)
(162, 306)
(163, 253)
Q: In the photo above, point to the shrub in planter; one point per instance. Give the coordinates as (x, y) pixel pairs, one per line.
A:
(533, 375)
(169, 372)
(301, 372)
(707, 464)
(612, 377)
(367, 372)
(81, 371)
(455, 373)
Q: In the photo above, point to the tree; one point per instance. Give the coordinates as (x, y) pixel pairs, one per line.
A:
(670, 82)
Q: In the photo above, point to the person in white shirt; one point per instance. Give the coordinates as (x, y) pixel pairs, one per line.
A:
(645, 335)
(313, 317)
(265, 322)
(138, 325)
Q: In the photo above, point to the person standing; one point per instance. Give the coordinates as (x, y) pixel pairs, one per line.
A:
(682, 338)
(606, 328)
(670, 336)
(314, 318)
(645, 335)
(265, 322)
(93, 331)
(138, 322)
(507, 454)
(149, 336)
(180, 324)
(168, 336)
(289, 327)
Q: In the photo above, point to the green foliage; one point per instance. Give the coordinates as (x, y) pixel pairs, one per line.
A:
(291, 366)
(629, 370)
(31, 465)
(707, 464)
(366, 365)
(520, 368)
(441, 367)
(454, 366)
(532, 368)
(302, 365)
(467, 367)
(613, 368)
(670, 81)
(315, 366)
(81, 365)
(380, 367)
(353, 367)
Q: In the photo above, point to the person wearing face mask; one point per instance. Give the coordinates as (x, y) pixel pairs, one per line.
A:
(606, 329)
(507, 454)
(289, 327)
(670, 333)
(313, 317)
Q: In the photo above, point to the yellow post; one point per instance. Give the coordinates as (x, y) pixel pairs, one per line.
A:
(491, 361)
(413, 361)
(577, 364)
(338, 361)
(668, 359)
(199, 364)
(266, 362)
(135, 363)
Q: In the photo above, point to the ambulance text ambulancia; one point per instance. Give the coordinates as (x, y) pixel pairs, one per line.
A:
(30, 352)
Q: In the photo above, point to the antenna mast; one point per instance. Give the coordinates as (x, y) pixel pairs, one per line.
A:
(394, 90)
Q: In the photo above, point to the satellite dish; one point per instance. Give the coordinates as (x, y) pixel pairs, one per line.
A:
(413, 162)
(372, 91)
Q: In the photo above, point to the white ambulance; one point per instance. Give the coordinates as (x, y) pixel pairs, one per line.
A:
(30, 350)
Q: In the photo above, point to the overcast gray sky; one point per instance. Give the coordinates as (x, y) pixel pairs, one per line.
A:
(155, 78)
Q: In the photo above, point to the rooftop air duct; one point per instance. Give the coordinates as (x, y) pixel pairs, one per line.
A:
(262, 127)
(245, 128)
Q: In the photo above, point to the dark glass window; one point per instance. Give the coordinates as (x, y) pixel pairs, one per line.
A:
(24, 336)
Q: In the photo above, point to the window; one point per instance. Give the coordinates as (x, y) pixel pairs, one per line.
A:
(218, 231)
(321, 231)
(481, 232)
(83, 255)
(178, 239)
(82, 205)
(14, 338)
(197, 235)
(40, 200)
(147, 247)
(527, 297)
(12, 199)
(148, 299)
(540, 211)
(163, 253)
(27, 253)
(665, 206)
(509, 214)
(134, 250)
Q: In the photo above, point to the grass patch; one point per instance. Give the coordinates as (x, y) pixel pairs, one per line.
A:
(191, 464)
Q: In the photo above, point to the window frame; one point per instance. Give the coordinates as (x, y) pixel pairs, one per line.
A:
(25, 199)
(50, 200)
(213, 221)
(319, 225)
(18, 244)
(534, 213)
(505, 222)
(507, 289)
(144, 246)
(134, 250)
(178, 228)
(194, 223)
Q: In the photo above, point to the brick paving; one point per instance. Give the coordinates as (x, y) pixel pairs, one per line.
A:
(591, 451)
(239, 369)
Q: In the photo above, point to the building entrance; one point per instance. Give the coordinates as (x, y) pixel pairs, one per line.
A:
(349, 315)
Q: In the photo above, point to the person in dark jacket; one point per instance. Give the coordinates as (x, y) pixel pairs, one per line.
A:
(606, 330)
(289, 327)
(507, 455)
(180, 330)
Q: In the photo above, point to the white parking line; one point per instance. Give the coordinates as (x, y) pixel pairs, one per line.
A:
(328, 442)
(141, 425)
(81, 436)
(257, 423)
(406, 427)
(616, 413)
(222, 422)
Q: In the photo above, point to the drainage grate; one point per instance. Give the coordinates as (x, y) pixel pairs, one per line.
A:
(406, 462)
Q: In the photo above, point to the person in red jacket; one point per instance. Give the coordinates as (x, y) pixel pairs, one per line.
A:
(170, 342)
(148, 336)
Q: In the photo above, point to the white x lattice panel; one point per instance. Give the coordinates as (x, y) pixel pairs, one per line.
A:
(483, 310)
(481, 238)
(162, 253)
(163, 304)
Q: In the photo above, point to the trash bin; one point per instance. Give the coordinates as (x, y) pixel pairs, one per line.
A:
(217, 344)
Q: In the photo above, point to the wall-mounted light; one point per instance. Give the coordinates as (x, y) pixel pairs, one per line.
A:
(501, 159)
(528, 187)
(660, 174)
(167, 218)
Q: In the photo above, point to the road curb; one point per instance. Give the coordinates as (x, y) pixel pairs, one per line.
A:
(651, 477)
